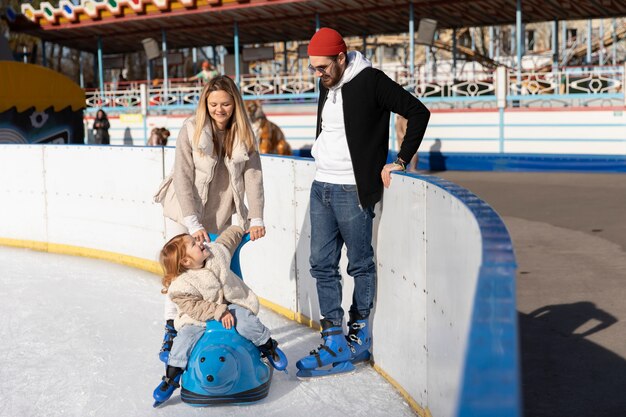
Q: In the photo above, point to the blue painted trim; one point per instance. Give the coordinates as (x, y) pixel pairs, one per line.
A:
(572, 96)
(561, 125)
(457, 99)
(521, 162)
(590, 140)
(491, 376)
(281, 96)
(431, 125)
(481, 139)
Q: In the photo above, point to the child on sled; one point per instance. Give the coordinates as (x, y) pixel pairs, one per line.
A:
(198, 279)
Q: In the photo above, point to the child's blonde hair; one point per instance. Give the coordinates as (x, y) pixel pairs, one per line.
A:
(171, 260)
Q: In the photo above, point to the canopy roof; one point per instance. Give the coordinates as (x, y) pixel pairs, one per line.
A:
(122, 24)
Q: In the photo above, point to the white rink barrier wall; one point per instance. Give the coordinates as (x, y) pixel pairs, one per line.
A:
(444, 325)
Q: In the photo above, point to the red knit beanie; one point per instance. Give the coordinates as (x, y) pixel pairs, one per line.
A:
(326, 42)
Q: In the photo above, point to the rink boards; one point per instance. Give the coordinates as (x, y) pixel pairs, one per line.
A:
(444, 325)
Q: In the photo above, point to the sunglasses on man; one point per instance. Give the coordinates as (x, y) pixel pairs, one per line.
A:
(322, 68)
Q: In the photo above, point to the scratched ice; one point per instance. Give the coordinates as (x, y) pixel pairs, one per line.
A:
(80, 337)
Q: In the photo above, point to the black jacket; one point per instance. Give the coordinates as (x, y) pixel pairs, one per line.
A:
(368, 100)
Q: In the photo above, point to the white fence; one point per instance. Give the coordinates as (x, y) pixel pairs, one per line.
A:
(444, 259)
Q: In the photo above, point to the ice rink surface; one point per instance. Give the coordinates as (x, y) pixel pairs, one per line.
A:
(80, 337)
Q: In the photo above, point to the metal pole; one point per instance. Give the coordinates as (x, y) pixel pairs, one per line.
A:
(613, 28)
(473, 39)
(81, 76)
(165, 78)
(237, 77)
(601, 49)
(518, 36)
(498, 32)
(317, 22)
(44, 60)
(427, 68)
(411, 41)
(589, 28)
(453, 53)
(491, 34)
(194, 59)
(563, 41)
(100, 69)
(285, 63)
(555, 45)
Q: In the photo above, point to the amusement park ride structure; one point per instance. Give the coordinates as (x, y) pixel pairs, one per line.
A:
(485, 54)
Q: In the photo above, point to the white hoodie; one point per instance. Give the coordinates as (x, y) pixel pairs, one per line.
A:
(330, 150)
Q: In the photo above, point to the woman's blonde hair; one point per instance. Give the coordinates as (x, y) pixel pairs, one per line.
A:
(238, 126)
(171, 260)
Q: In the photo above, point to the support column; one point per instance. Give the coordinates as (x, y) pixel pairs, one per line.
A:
(502, 79)
(614, 52)
(100, 69)
(81, 75)
(453, 53)
(518, 36)
(473, 39)
(601, 48)
(589, 29)
(555, 45)
(165, 77)
(285, 61)
(411, 41)
(44, 60)
(236, 40)
(194, 60)
(491, 35)
(563, 41)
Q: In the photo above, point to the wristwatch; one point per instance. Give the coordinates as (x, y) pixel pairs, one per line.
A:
(399, 161)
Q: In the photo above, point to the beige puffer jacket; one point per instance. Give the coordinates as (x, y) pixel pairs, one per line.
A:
(184, 192)
(204, 294)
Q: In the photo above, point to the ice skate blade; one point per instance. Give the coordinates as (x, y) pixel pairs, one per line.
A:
(158, 404)
(336, 369)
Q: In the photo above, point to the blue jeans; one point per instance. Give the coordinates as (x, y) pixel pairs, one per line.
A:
(337, 218)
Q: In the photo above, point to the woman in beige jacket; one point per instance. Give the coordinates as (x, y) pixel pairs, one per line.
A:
(217, 164)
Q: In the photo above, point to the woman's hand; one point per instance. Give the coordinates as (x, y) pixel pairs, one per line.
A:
(201, 235)
(256, 232)
(227, 320)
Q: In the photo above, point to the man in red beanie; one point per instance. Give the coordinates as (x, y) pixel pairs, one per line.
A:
(350, 154)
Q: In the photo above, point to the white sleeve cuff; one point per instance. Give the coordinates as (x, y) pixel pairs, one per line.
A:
(256, 223)
(192, 224)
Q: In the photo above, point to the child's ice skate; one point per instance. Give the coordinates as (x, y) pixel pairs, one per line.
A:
(331, 357)
(167, 386)
(274, 355)
(168, 339)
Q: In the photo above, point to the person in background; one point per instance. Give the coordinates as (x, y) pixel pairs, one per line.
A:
(158, 137)
(101, 127)
(207, 73)
(350, 151)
